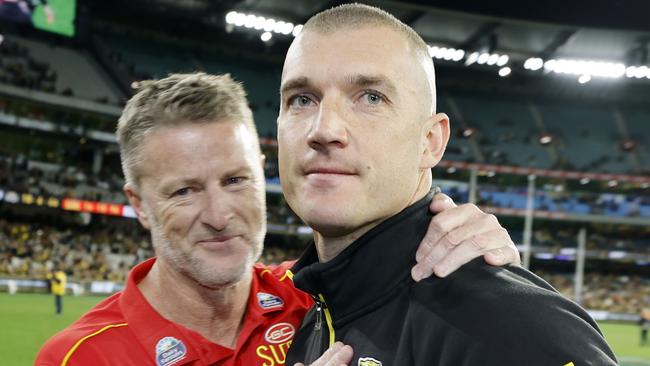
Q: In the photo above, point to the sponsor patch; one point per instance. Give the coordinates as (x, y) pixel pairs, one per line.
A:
(169, 350)
(368, 361)
(279, 333)
(268, 301)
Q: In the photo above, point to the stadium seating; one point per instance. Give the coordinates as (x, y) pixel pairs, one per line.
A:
(35, 65)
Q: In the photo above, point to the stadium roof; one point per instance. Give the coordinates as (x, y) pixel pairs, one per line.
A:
(616, 33)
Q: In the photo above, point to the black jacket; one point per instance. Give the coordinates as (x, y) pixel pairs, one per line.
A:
(479, 315)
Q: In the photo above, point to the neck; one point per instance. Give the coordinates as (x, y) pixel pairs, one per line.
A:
(329, 247)
(215, 313)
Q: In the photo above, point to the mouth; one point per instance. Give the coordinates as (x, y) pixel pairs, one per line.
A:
(328, 171)
(217, 242)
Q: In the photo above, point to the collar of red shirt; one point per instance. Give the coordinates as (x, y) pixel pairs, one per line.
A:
(150, 328)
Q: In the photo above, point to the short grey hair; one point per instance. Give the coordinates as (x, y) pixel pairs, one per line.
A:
(176, 100)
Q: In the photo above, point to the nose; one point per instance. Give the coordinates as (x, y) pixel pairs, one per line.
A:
(217, 212)
(329, 128)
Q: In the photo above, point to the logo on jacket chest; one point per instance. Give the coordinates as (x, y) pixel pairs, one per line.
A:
(368, 361)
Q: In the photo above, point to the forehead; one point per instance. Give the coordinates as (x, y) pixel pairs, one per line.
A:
(189, 149)
(339, 54)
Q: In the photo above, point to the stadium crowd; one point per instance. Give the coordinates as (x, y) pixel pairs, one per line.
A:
(19, 68)
(611, 292)
(106, 252)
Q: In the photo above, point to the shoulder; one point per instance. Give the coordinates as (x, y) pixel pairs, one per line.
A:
(511, 306)
(278, 280)
(100, 323)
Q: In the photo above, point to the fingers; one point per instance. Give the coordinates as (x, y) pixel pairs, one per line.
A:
(441, 202)
(475, 246)
(429, 252)
(337, 355)
(502, 256)
(459, 234)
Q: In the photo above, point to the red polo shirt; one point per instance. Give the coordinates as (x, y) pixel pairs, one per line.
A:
(125, 330)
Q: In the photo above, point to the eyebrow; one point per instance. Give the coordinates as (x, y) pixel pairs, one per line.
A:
(358, 80)
(361, 80)
(293, 84)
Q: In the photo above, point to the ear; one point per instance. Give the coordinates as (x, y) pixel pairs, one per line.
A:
(435, 141)
(262, 161)
(136, 202)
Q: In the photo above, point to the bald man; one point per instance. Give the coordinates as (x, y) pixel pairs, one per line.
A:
(358, 134)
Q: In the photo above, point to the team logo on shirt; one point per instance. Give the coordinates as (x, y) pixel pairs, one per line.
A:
(368, 361)
(279, 333)
(268, 301)
(279, 336)
(169, 350)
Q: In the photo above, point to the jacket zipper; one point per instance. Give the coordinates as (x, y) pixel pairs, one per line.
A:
(315, 349)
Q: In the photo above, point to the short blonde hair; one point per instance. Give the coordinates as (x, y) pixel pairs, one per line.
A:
(353, 16)
(176, 100)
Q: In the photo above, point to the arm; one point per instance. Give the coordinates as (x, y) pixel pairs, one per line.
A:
(458, 234)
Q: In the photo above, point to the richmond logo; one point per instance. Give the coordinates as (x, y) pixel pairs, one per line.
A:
(368, 361)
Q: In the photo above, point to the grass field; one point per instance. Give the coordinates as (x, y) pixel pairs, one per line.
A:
(28, 320)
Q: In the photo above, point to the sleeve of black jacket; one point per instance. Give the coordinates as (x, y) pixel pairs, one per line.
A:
(500, 316)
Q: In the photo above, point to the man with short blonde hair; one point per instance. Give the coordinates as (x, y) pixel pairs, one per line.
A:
(177, 99)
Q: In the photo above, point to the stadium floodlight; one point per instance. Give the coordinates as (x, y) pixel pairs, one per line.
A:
(503, 59)
(250, 21)
(279, 27)
(483, 58)
(240, 19)
(269, 24)
(296, 30)
(287, 29)
(583, 68)
(458, 55)
(473, 57)
(260, 22)
(640, 72)
(493, 59)
(266, 36)
(533, 64)
(263, 24)
(231, 16)
(583, 79)
(504, 71)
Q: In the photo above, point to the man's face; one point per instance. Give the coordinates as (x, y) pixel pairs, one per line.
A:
(351, 130)
(202, 195)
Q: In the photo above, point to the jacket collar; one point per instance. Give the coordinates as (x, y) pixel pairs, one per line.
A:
(368, 272)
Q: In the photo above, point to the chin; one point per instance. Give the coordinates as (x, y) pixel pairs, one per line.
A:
(225, 271)
(331, 224)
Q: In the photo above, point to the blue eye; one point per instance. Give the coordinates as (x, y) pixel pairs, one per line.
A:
(300, 101)
(235, 180)
(373, 98)
(182, 192)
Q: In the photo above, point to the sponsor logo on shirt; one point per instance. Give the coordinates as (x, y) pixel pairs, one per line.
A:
(268, 301)
(368, 361)
(169, 350)
(280, 333)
